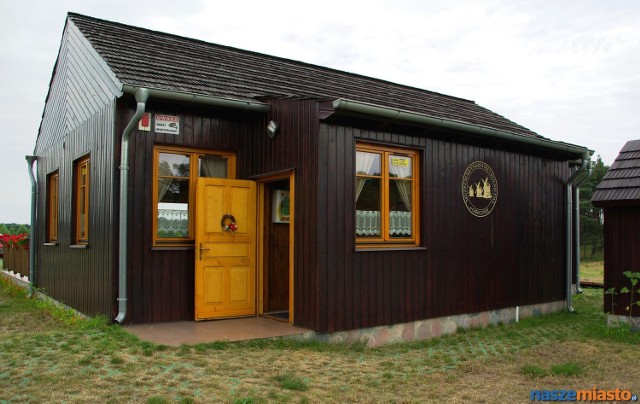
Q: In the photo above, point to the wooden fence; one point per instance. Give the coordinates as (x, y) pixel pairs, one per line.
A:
(16, 259)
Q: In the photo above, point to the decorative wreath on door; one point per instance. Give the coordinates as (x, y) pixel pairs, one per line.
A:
(228, 223)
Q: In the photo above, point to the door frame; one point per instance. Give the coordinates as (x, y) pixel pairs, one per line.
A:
(262, 180)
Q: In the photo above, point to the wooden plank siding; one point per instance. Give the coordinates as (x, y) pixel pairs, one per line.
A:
(161, 280)
(515, 256)
(80, 278)
(78, 119)
(464, 264)
(295, 147)
(621, 253)
(81, 86)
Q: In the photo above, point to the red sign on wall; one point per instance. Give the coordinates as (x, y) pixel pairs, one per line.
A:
(167, 124)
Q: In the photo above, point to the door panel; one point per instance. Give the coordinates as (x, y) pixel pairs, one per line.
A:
(229, 250)
(213, 280)
(225, 275)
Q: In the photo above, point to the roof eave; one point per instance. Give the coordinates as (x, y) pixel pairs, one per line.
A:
(400, 115)
(205, 99)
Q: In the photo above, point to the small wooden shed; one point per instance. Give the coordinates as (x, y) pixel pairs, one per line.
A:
(186, 180)
(618, 194)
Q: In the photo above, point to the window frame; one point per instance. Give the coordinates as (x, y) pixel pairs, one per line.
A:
(53, 203)
(385, 240)
(194, 155)
(81, 200)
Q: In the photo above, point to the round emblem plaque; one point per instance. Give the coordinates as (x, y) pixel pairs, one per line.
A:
(479, 189)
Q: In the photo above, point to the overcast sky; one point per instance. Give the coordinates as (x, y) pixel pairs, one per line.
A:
(569, 70)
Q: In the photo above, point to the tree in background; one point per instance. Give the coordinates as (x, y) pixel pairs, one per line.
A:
(14, 228)
(22, 229)
(591, 218)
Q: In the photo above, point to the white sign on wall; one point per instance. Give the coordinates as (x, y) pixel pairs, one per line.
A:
(167, 124)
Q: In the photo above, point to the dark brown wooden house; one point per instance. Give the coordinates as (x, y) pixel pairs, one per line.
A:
(618, 194)
(185, 180)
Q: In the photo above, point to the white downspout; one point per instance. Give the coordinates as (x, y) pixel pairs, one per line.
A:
(142, 95)
(32, 238)
(576, 231)
(574, 181)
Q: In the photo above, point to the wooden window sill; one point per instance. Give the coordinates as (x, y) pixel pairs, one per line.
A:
(54, 244)
(380, 247)
(79, 246)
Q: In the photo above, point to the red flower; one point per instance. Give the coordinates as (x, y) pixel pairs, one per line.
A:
(233, 227)
(18, 240)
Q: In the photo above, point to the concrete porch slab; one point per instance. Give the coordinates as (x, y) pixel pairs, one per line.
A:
(195, 332)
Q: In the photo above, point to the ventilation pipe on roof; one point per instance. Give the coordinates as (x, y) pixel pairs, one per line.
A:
(32, 241)
(573, 226)
(142, 95)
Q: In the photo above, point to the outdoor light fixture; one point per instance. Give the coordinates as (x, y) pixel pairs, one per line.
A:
(272, 129)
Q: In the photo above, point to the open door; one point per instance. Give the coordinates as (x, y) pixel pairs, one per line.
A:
(276, 238)
(225, 278)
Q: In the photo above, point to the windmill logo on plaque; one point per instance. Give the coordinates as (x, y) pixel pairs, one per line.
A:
(479, 189)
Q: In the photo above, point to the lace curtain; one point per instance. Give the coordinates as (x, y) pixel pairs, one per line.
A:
(368, 222)
(404, 187)
(174, 222)
(364, 163)
(399, 223)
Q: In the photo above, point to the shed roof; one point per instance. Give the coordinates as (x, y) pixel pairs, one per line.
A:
(141, 57)
(621, 184)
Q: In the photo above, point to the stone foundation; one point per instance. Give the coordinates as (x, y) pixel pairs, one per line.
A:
(614, 320)
(405, 332)
(436, 327)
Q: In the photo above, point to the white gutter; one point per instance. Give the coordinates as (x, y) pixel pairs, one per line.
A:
(200, 99)
(414, 117)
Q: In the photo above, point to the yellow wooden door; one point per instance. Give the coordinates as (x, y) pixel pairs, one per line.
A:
(225, 278)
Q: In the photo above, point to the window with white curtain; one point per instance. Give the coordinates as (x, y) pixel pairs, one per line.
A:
(176, 171)
(386, 195)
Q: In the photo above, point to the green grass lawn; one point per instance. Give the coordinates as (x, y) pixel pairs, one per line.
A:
(47, 355)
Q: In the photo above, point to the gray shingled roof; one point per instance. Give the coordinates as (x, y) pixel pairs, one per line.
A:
(622, 182)
(141, 57)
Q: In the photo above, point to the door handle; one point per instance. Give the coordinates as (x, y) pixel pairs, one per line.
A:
(201, 250)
